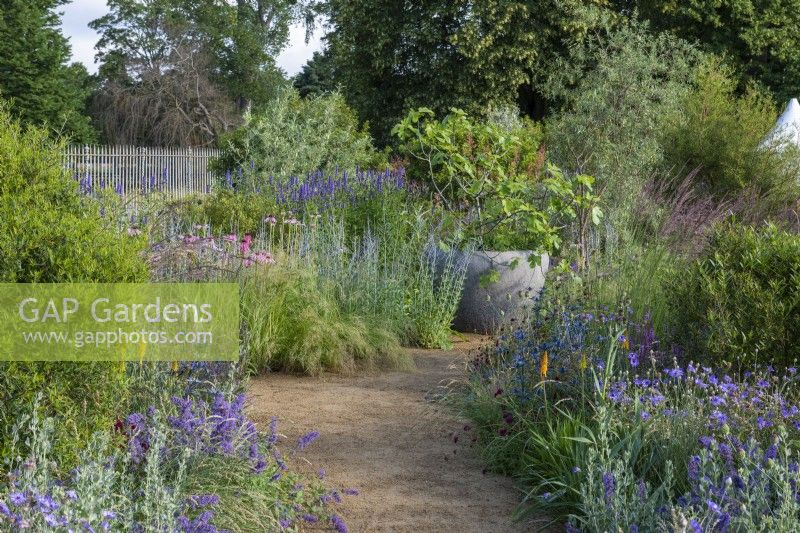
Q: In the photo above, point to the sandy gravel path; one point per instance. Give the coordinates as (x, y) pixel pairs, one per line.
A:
(386, 436)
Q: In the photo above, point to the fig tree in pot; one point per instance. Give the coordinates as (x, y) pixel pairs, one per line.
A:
(502, 199)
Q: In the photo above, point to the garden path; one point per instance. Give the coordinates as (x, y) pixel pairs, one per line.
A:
(386, 435)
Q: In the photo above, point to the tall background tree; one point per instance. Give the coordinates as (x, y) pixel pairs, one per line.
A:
(392, 55)
(761, 38)
(34, 70)
(317, 75)
(182, 72)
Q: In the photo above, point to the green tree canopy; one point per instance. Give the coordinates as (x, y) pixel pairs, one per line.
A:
(317, 76)
(760, 37)
(392, 56)
(34, 73)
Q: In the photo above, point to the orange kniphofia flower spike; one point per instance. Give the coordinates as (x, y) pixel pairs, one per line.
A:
(543, 365)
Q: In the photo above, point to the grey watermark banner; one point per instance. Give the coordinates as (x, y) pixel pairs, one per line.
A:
(119, 322)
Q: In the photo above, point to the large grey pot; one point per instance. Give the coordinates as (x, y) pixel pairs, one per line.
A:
(485, 309)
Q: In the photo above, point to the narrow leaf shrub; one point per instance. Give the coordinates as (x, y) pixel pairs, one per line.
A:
(294, 135)
(741, 302)
(618, 90)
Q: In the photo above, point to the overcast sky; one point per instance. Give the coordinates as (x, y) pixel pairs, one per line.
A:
(79, 13)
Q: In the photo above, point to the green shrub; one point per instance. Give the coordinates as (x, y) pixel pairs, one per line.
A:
(720, 133)
(741, 302)
(292, 136)
(49, 233)
(495, 179)
(227, 211)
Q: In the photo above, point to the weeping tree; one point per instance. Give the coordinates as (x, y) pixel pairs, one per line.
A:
(182, 72)
(172, 102)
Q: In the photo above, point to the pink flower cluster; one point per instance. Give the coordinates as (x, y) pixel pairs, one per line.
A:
(260, 257)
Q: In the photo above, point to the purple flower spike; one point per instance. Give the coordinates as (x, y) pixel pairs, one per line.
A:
(307, 439)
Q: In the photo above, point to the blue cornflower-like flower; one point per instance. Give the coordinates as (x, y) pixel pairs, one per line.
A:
(719, 417)
(656, 398)
(17, 498)
(633, 358)
(762, 422)
(717, 401)
(46, 502)
(51, 520)
(706, 441)
(4, 510)
(675, 373)
(695, 525)
(615, 395)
